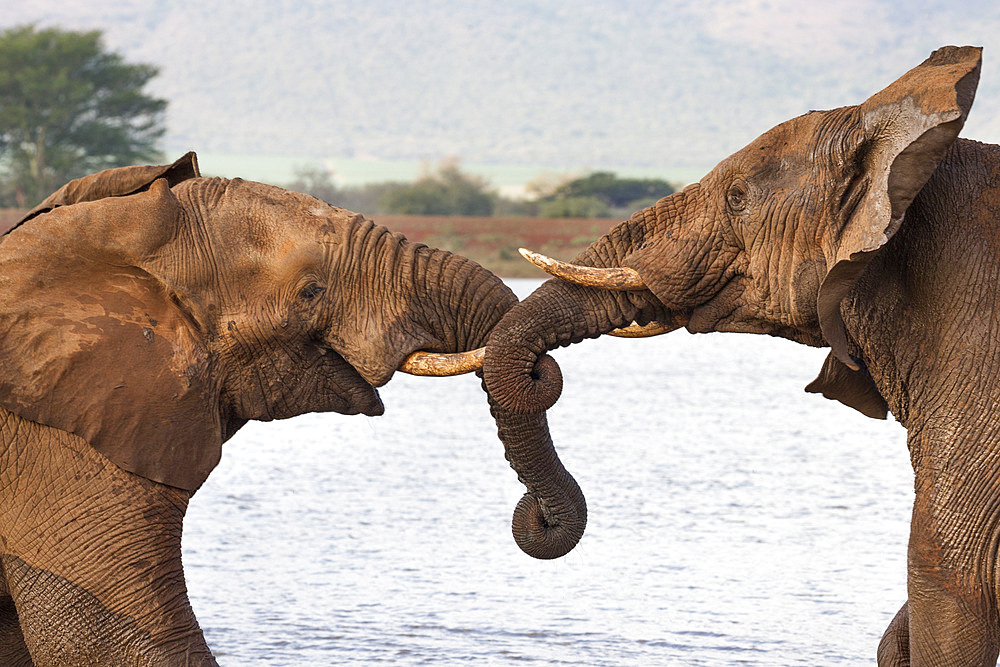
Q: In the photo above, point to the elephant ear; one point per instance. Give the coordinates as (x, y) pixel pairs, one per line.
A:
(905, 131)
(116, 183)
(93, 344)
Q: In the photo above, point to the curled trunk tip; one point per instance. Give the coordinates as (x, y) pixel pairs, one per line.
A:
(542, 535)
(550, 518)
(529, 384)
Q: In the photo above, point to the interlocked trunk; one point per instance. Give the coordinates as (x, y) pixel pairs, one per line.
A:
(523, 382)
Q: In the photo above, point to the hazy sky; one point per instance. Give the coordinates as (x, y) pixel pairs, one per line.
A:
(562, 83)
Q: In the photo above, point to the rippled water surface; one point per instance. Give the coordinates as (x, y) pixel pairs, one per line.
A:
(734, 520)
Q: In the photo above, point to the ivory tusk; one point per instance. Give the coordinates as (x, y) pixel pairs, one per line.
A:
(618, 278)
(636, 331)
(435, 364)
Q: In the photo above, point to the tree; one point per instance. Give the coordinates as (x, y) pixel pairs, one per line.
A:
(68, 108)
(574, 207)
(623, 194)
(447, 192)
(366, 198)
(316, 181)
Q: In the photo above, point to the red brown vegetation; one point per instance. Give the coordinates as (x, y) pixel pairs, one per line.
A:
(493, 242)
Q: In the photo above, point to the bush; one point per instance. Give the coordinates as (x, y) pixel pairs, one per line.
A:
(574, 207)
(619, 196)
(615, 192)
(446, 192)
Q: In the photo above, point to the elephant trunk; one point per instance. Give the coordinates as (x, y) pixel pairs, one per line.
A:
(560, 313)
(550, 518)
(429, 300)
(465, 303)
(460, 301)
(522, 382)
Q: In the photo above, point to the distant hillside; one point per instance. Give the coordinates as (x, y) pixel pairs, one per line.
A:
(562, 82)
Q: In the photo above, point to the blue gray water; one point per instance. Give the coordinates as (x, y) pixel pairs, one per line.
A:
(734, 520)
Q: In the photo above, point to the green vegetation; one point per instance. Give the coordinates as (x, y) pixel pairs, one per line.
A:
(574, 207)
(69, 108)
(449, 191)
(615, 192)
(445, 191)
(599, 194)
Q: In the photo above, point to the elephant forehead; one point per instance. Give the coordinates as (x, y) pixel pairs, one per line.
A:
(265, 233)
(246, 268)
(254, 215)
(791, 142)
(803, 155)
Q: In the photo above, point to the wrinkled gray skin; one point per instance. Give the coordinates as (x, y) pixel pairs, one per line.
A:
(146, 314)
(870, 229)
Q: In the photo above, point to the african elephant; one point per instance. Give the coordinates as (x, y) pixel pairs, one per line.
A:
(870, 229)
(146, 314)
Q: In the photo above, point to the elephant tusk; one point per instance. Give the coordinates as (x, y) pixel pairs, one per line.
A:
(618, 278)
(434, 364)
(638, 331)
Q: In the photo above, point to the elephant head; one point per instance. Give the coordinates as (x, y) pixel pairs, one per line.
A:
(771, 241)
(153, 312)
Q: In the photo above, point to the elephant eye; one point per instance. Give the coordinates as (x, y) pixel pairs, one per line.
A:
(736, 198)
(310, 292)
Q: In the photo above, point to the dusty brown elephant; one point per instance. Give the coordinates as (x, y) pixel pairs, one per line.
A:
(871, 229)
(146, 314)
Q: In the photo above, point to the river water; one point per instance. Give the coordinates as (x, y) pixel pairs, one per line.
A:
(734, 520)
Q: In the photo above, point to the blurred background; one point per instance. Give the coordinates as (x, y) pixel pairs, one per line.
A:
(665, 86)
(491, 109)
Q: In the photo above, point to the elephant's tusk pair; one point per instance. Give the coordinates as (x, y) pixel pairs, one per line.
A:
(434, 364)
(618, 278)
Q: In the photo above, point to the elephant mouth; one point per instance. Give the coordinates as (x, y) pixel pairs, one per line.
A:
(721, 308)
(371, 406)
(705, 319)
(395, 357)
(731, 311)
(349, 393)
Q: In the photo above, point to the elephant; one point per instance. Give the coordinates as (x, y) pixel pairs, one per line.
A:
(871, 230)
(146, 314)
